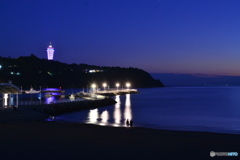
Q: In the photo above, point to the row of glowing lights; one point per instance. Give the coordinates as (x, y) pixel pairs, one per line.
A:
(105, 85)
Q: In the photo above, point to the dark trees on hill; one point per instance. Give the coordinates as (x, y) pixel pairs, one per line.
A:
(35, 72)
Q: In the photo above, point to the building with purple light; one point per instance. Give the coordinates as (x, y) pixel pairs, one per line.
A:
(50, 52)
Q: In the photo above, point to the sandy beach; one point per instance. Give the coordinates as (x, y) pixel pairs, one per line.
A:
(23, 137)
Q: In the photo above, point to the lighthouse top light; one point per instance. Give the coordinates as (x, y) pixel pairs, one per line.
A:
(50, 52)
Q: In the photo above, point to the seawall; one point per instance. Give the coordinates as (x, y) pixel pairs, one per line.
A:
(61, 108)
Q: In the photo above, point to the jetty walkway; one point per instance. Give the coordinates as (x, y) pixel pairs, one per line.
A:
(117, 91)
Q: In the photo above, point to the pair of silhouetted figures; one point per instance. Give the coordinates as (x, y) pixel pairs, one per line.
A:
(129, 124)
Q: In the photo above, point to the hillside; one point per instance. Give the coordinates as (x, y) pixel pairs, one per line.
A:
(33, 71)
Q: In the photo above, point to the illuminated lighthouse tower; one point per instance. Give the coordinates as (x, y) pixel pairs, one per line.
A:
(50, 52)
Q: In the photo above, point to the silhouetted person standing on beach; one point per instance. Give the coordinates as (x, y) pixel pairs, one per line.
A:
(127, 124)
(131, 123)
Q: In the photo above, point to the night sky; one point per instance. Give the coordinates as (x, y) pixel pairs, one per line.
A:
(158, 36)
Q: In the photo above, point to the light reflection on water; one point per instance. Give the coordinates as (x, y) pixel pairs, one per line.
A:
(117, 111)
(104, 117)
(93, 115)
(112, 117)
(211, 109)
(128, 111)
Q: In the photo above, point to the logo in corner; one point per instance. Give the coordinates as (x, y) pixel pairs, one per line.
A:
(212, 154)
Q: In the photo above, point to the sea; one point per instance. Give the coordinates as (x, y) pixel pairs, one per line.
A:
(206, 109)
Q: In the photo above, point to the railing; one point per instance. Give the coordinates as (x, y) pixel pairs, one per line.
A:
(51, 102)
(43, 102)
(24, 103)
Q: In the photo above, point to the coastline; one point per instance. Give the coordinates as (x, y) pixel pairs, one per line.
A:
(54, 140)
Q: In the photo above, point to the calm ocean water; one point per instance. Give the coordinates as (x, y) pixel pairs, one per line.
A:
(211, 109)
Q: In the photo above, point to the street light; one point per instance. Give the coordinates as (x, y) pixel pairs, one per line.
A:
(117, 85)
(104, 85)
(128, 85)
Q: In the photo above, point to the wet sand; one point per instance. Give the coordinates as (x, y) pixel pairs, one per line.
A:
(36, 139)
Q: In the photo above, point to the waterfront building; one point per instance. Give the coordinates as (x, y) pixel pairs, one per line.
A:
(8, 90)
(50, 52)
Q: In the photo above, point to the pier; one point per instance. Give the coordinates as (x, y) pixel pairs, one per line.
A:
(117, 91)
(113, 92)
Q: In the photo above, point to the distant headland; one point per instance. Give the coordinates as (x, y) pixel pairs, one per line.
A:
(31, 71)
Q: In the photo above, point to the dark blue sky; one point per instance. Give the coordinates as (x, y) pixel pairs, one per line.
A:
(159, 36)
